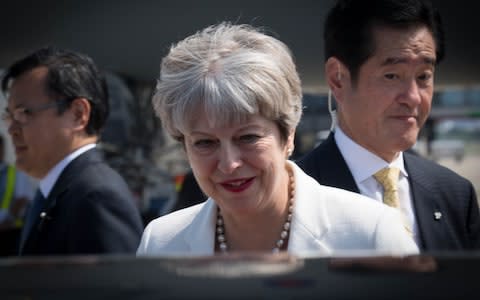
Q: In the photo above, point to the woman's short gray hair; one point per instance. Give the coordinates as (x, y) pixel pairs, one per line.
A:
(230, 72)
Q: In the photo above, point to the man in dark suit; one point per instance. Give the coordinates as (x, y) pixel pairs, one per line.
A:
(380, 71)
(57, 104)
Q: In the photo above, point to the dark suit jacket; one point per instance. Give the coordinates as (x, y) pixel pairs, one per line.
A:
(90, 210)
(190, 193)
(434, 189)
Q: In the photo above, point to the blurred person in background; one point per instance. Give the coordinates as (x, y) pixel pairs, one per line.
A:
(381, 73)
(16, 192)
(57, 104)
(188, 193)
(232, 96)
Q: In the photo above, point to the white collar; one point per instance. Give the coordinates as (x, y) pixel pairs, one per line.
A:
(361, 162)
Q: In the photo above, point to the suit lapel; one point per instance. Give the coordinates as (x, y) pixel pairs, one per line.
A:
(30, 225)
(431, 214)
(61, 185)
(72, 170)
(327, 165)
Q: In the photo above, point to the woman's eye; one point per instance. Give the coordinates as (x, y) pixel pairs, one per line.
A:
(204, 143)
(249, 138)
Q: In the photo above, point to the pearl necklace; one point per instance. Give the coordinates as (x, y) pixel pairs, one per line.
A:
(280, 243)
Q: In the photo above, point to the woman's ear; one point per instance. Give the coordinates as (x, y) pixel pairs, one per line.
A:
(290, 145)
(81, 108)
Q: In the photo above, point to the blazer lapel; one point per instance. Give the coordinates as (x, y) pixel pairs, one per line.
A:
(310, 221)
(200, 235)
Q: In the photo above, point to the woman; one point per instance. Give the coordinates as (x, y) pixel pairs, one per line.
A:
(232, 96)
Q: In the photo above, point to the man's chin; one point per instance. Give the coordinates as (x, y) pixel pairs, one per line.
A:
(407, 145)
(21, 165)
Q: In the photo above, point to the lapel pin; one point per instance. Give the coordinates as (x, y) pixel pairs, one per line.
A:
(437, 215)
(44, 216)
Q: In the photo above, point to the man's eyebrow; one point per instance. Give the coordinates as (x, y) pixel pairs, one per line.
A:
(403, 60)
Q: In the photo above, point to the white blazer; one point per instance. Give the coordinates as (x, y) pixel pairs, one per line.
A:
(326, 222)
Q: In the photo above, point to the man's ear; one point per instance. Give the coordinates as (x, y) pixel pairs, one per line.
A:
(334, 73)
(81, 108)
(337, 76)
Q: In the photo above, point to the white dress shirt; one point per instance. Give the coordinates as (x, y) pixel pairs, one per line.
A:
(46, 184)
(363, 164)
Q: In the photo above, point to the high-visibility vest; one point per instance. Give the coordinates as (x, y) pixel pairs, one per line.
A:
(8, 193)
(179, 182)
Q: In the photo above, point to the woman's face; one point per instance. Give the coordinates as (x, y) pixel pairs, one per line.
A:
(242, 167)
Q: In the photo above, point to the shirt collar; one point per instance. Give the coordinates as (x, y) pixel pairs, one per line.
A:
(46, 184)
(361, 162)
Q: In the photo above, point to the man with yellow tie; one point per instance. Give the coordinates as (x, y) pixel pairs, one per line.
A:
(381, 74)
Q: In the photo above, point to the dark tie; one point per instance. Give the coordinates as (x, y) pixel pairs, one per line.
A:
(33, 215)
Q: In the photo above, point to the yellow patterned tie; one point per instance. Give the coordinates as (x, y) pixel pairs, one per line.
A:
(388, 178)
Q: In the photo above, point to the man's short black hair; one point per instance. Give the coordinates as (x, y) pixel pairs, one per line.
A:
(348, 31)
(71, 75)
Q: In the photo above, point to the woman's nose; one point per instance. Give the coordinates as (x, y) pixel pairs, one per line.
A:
(230, 159)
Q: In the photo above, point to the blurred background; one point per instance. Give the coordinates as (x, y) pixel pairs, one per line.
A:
(127, 39)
